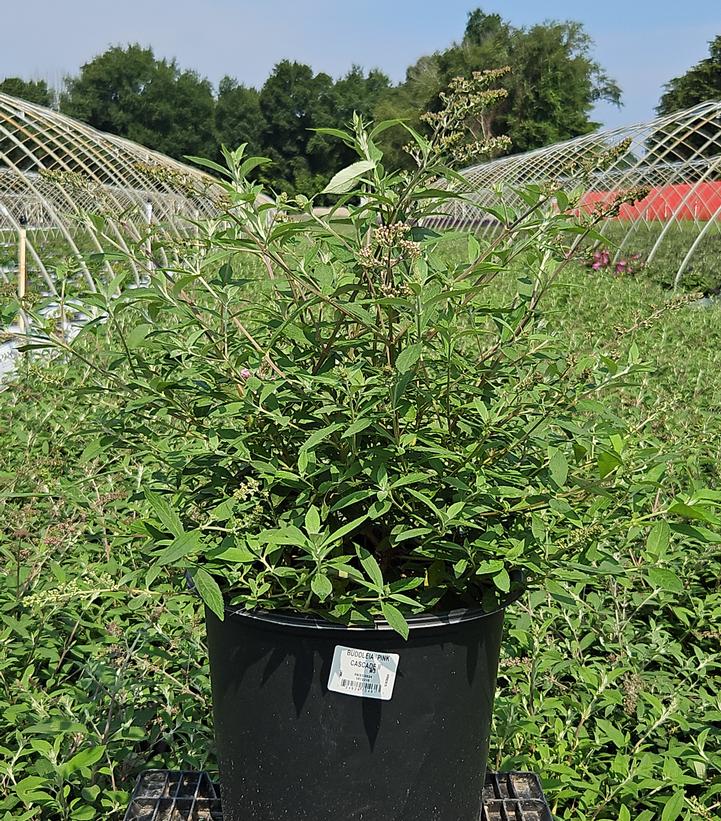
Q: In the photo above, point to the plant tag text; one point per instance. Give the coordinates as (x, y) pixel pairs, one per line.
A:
(363, 673)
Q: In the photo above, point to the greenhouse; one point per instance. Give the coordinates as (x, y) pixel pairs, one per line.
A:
(676, 157)
(55, 170)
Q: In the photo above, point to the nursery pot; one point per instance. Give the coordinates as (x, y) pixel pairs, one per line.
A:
(320, 722)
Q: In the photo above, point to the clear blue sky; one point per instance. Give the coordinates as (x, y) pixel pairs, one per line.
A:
(642, 44)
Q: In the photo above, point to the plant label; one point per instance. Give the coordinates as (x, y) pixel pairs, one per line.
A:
(363, 673)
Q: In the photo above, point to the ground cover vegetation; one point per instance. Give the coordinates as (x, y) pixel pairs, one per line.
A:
(609, 681)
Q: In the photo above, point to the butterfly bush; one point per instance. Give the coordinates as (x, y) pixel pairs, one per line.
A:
(335, 414)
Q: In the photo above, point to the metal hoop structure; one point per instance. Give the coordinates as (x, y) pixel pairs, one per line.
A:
(678, 157)
(54, 171)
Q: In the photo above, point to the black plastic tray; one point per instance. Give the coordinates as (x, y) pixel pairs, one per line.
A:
(184, 795)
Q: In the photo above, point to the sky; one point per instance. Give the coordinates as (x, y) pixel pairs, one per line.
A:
(641, 44)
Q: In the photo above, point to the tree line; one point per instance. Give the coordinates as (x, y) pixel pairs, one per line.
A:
(552, 87)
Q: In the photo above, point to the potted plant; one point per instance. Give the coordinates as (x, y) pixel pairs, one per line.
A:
(359, 453)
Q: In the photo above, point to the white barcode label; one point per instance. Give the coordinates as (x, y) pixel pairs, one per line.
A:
(363, 673)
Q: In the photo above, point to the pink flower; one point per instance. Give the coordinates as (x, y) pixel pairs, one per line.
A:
(245, 373)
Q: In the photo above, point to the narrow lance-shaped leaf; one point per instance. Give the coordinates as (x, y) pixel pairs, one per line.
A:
(209, 591)
(344, 180)
(371, 567)
(165, 513)
(312, 520)
(186, 544)
(408, 357)
(395, 618)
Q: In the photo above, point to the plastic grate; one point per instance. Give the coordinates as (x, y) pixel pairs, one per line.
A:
(170, 795)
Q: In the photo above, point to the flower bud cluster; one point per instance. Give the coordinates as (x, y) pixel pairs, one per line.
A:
(248, 489)
(465, 110)
(598, 157)
(582, 537)
(389, 238)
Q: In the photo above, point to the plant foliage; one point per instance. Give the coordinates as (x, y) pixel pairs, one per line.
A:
(336, 416)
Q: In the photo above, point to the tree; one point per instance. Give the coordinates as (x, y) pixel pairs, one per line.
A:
(238, 117)
(699, 137)
(358, 92)
(552, 86)
(128, 92)
(701, 82)
(34, 91)
(293, 100)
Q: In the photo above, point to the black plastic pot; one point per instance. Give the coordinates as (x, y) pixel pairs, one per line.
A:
(291, 748)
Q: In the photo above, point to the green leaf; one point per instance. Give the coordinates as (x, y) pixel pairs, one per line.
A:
(413, 533)
(165, 513)
(693, 512)
(184, 545)
(318, 436)
(321, 585)
(85, 758)
(90, 451)
(357, 427)
(252, 162)
(303, 462)
(312, 520)
(558, 467)
(342, 531)
(239, 554)
(395, 618)
(137, 335)
(658, 539)
(333, 132)
(371, 567)
(474, 248)
(209, 591)
(92, 792)
(664, 579)
(344, 180)
(455, 509)
(28, 789)
(607, 463)
(537, 527)
(408, 357)
(410, 479)
(490, 567)
(502, 581)
(214, 166)
(352, 498)
(85, 813)
(673, 806)
(382, 126)
(285, 535)
(612, 733)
